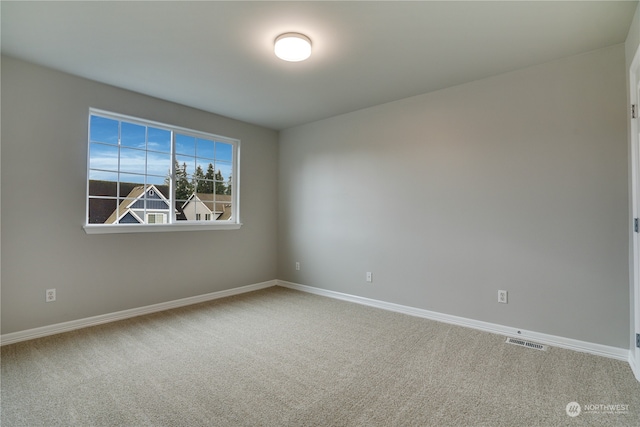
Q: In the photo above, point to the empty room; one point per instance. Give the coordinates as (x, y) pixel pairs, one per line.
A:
(332, 213)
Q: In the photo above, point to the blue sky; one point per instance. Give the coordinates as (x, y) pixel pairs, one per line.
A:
(145, 152)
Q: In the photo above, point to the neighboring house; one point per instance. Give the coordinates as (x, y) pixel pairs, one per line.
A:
(141, 207)
(207, 207)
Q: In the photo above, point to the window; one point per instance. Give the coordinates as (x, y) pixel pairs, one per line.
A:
(156, 218)
(143, 173)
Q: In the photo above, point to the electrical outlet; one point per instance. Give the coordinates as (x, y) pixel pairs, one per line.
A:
(502, 297)
(297, 266)
(369, 277)
(50, 295)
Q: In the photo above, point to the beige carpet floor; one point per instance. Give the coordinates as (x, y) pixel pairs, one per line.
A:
(279, 357)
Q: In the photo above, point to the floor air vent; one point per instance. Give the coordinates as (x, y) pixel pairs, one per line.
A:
(527, 344)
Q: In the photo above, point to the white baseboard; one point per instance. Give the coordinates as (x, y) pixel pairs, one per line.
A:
(634, 367)
(58, 328)
(551, 340)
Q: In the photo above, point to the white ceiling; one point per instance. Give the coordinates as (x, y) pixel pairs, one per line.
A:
(218, 56)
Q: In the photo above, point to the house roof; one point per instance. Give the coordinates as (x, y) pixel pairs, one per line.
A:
(221, 205)
(133, 195)
(102, 200)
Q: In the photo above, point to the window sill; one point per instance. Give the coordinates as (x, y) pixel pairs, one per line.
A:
(158, 228)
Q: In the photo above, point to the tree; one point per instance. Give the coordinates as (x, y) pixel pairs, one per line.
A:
(229, 186)
(220, 187)
(184, 187)
(207, 186)
(198, 180)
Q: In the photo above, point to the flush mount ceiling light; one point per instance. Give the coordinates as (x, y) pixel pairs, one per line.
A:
(292, 47)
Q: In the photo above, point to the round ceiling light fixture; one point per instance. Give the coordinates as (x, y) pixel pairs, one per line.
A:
(292, 47)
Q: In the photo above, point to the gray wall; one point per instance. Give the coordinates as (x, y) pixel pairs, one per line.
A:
(633, 38)
(44, 156)
(516, 182)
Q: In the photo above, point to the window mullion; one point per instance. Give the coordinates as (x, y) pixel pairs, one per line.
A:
(172, 181)
(119, 173)
(145, 217)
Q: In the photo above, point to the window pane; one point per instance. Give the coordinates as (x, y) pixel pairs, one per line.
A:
(204, 186)
(187, 165)
(129, 180)
(159, 140)
(204, 166)
(224, 151)
(207, 199)
(100, 209)
(157, 180)
(164, 190)
(199, 174)
(97, 175)
(183, 184)
(132, 135)
(199, 206)
(185, 145)
(180, 215)
(159, 164)
(103, 157)
(132, 160)
(156, 218)
(103, 183)
(223, 211)
(220, 188)
(224, 170)
(186, 209)
(155, 200)
(103, 130)
(126, 215)
(205, 148)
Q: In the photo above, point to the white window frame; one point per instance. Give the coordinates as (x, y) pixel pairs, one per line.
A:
(173, 225)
